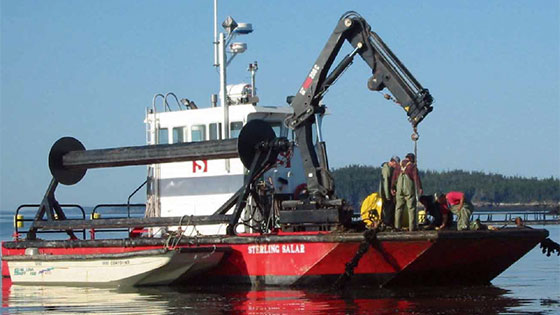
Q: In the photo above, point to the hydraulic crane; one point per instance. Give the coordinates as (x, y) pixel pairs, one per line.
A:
(387, 72)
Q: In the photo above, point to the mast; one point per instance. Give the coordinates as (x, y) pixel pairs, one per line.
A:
(223, 85)
(215, 33)
(221, 60)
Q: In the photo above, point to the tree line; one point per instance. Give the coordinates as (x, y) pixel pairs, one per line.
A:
(355, 182)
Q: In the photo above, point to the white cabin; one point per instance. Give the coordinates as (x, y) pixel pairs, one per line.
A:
(201, 187)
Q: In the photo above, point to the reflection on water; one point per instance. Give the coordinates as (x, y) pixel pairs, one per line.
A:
(160, 300)
(367, 300)
(20, 298)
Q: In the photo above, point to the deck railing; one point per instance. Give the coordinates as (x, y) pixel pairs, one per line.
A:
(536, 217)
(19, 219)
(113, 211)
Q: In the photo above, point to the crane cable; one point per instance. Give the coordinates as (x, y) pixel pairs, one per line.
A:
(415, 136)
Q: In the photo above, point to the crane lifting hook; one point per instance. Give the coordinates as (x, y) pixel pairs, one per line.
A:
(414, 136)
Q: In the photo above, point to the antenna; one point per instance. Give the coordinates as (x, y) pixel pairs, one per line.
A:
(215, 33)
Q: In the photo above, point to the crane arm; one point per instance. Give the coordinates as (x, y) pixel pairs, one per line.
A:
(387, 72)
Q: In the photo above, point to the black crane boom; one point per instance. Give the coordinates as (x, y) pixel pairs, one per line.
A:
(387, 72)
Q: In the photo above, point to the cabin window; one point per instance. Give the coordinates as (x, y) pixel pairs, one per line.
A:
(163, 136)
(235, 129)
(215, 131)
(277, 127)
(198, 133)
(178, 134)
(148, 133)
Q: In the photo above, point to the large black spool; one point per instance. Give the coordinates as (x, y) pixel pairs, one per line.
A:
(254, 133)
(59, 172)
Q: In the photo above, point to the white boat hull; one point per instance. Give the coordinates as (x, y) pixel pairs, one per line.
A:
(147, 267)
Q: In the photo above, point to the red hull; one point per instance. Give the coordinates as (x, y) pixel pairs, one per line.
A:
(301, 259)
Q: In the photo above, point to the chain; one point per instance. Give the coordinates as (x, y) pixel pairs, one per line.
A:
(370, 237)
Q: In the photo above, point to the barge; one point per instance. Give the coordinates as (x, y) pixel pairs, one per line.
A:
(300, 258)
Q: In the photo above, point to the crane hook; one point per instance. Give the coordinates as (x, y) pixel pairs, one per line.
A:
(415, 136)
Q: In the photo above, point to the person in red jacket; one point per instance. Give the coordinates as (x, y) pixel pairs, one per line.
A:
(463, 209)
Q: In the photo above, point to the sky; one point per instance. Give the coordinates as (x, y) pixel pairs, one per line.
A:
(89, 69)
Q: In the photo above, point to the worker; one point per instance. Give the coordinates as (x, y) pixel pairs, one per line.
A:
(437, 208)
(404, 186)
(446, 216)
(462, 208)
(387, 170)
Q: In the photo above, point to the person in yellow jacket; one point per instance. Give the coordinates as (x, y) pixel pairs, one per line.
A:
(405, 184)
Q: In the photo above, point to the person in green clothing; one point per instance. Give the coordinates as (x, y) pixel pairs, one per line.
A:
(463, 209)
(387, 169)
(404, 186)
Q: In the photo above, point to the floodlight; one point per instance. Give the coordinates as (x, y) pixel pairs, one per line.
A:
(243, 28)
(229, 24)
(238, 48)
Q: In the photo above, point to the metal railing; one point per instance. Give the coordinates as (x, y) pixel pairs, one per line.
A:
(96, 213)
(18, 218)
(131, 195)
(543, 217)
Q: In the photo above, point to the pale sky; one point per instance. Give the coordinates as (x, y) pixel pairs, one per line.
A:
(89, 69)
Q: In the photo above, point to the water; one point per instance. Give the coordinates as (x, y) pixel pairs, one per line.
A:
(531, 285)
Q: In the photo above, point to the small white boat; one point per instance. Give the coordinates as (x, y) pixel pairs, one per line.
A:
(144, 267)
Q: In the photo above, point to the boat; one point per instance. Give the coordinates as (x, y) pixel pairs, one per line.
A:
(281, 259)
(241, 194)
(113, 267)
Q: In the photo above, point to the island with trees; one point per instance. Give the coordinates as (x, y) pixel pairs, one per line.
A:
(487, 191)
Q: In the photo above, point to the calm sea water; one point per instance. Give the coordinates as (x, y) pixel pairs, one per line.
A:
(531, 285)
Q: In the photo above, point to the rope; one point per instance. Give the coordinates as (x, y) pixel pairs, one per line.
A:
(174, 238)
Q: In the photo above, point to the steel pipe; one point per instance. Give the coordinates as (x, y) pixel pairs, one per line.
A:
(151, 154)
(69, 160)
